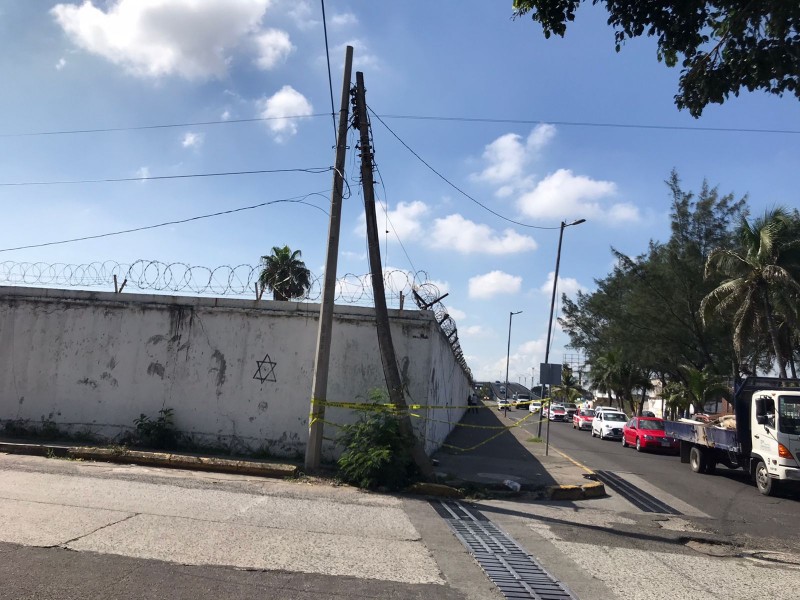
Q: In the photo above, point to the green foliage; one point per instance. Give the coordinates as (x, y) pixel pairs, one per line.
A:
(761, 288)
(159, 433)
(647, 310)
(284, 274)
(722, 46)
(377, 454)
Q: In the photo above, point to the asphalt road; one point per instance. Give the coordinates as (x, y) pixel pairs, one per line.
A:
(727, 496)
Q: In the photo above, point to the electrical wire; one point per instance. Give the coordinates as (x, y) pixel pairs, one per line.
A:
(453, 185)
(411, 117)
(157, 126)
(292, 200)
(591, 124)
(312, 170)
(330, 79)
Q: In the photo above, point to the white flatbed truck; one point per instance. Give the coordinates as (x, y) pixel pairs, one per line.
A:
(765, 442)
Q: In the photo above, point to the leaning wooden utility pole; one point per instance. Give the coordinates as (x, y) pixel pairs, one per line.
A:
(319, 389)
(388, 358)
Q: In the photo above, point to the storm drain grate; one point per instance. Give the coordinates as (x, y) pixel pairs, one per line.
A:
(635, 495)
(515, 572)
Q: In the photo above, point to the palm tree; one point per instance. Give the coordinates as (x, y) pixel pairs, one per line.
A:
(701, 385)
(762, 282)
(284, 274)
(609, 373)
(568, 390)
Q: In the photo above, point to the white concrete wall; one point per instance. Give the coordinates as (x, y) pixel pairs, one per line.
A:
(96, 361)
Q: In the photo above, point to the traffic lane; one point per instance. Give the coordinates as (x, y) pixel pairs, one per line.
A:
(727, 496)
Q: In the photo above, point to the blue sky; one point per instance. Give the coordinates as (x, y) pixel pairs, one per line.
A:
(129, 63)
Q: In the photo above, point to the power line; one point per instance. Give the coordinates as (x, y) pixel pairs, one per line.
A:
(453, 185)
(158, 126)
(590, 124)
(328, 59)
(410, 117)
(312, 170)
(292, 200)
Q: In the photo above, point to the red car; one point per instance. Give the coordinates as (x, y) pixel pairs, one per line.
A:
(647, 433)
(582, 419)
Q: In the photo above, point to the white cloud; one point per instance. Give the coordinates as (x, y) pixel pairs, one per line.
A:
(462, 235)
(302, 14)
(566, 285)
(61, 64)
(273, 47)
(154, 38)
(363, 59)
(493, 284)
(563, 194)
(192, 140)
(344, 20)
(143, 172)
(508, 155)
(405, 220)
(225, 115)
(472, 331)
(280, 107)
(458, 315)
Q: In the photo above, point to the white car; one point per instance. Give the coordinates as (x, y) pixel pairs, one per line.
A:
(608, 424)
(503, 403)
(535, 406)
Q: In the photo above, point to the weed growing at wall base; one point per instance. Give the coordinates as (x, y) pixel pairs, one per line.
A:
(377, 454)
(157, 433)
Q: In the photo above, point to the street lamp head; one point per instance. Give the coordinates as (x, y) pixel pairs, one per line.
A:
(578, 222)
(516, 313)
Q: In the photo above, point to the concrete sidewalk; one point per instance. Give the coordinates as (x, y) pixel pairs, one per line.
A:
(174, 460)
(479, 453)
(484, 451)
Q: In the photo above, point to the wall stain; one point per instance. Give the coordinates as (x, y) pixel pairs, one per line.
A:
(111, 379)
(90, 382)
(22, 399)
(156, 339)
(221, 367)
(262, 406)
(112, 363)
(156, 368)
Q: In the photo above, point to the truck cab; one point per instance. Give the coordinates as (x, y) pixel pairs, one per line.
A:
(775, 430)
(764, 441)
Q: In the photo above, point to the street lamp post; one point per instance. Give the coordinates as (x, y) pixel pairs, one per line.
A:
(508, 356)
(564, 225)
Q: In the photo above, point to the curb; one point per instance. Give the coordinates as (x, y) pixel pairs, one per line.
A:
(157, 459)
(587, 491)
(438, 490)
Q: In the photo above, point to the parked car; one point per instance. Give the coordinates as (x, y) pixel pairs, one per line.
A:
(571, 409)
(608, 424)
(648, 413)
(557, 412)
(521, 399)
(503, 403)
(583, 419)
(647, 433)
(535, 406)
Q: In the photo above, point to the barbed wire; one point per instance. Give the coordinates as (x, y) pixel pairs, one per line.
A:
(229, 280)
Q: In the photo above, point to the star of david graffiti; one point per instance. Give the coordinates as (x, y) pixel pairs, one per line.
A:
(266, 369)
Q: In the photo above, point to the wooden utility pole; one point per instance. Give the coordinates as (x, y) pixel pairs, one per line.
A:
(388, 358)
(319, 389)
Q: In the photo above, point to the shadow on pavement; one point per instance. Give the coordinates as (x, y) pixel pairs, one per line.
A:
(490, 456)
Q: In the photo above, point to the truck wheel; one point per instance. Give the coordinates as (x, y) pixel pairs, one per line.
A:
(764, 483)
(697, 460)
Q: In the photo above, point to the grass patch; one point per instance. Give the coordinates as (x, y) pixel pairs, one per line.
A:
(534, 440)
